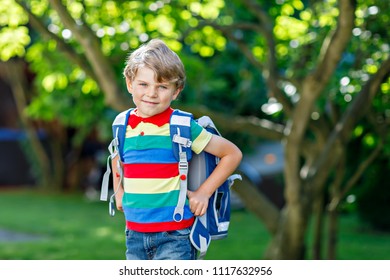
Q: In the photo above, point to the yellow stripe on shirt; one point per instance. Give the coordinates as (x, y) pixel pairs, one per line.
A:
(150, 186)
(148, 129)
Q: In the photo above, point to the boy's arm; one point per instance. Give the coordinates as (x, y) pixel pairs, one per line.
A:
(230, 156)
(118, 189)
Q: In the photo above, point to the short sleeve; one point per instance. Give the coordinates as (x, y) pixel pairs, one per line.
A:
(200, 137)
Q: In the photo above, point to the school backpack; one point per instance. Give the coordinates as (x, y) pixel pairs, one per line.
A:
(194, 169)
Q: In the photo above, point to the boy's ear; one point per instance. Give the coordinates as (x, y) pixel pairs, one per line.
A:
(129, 85)
(176, 94)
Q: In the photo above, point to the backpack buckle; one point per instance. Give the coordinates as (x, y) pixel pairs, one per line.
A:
(184, 142)
(183, 164)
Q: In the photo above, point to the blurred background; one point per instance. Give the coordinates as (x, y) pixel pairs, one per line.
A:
(301, 86)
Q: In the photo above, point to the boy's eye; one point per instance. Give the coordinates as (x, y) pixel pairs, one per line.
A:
(163, 87)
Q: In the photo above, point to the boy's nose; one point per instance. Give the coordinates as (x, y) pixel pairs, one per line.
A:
(152, 92)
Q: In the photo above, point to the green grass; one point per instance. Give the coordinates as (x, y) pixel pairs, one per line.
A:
(71, 227)
(357, 241)
(74, 228)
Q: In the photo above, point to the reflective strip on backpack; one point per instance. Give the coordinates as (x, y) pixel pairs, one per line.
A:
(224, 226)
(180, 120)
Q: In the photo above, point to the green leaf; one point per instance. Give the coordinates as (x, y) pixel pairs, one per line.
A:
(13, 41)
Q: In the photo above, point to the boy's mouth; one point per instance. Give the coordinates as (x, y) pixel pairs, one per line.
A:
(149, 102)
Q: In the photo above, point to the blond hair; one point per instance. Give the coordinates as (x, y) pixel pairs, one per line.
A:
(157, 56)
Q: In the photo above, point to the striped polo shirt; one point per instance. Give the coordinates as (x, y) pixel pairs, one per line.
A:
(151, 175)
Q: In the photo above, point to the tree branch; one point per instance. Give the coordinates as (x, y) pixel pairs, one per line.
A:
(105, 75)
(334, 46)
(264, 27)
(354, 112)
(76, 58)
(270, 71)
(313, 84)
(255, 126)
(356, 176)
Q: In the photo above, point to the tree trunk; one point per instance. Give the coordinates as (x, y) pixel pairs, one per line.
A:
(18, 83)
(318, 208)
(288, 243)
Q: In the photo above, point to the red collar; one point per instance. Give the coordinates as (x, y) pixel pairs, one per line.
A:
(159, 119)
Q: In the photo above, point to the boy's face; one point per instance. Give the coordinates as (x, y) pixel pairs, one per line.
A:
(151, 97)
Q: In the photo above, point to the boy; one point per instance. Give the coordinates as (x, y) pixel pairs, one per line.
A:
(155, 77)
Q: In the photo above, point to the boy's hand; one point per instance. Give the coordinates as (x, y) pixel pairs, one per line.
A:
(198, 202)
(118, 201)
(119, 207)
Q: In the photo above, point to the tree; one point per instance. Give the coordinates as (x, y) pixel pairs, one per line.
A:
(318, 126)
(325, 66)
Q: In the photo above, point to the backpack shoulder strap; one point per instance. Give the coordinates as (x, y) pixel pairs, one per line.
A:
(115, 148)
(180, 131)
(119, 130)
